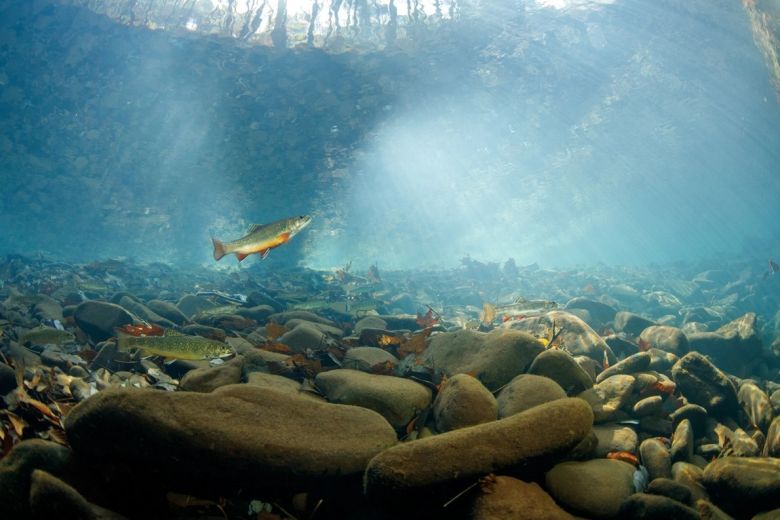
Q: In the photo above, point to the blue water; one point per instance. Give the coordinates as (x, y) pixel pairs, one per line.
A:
(630, 132)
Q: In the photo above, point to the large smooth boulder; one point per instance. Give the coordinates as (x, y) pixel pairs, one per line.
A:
(609, 396)
(561, 367)
(580, 339)
(506, 498)
(666, 338)
(99, 319)
(463, 401)
(397, 399)
(600, 313)
(744, 485)
(733, 346)
(594, 488)
(239, 437)
(426, 469)
(494, 357)
(756, 405)
(645, 506)
(704, 384)
(526, 391)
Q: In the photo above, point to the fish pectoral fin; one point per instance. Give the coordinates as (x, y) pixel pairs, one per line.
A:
(241, 256)
(264, 253)
(283, 237)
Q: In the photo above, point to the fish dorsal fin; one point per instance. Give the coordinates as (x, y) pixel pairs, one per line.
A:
(171, 332)
(255, 227)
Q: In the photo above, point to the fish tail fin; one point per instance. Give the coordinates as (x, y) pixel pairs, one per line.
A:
(219, 248)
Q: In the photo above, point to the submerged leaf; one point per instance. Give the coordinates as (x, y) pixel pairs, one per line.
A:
(17, 422)
(273, 330)
(414, 345)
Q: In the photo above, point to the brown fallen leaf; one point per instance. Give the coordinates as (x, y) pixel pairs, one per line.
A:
(41, 407)
(17, 422)
(414, 345)
(273, 330)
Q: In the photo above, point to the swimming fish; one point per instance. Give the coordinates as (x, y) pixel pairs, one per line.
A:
(175, 345)
(46, 335)
(261, 238)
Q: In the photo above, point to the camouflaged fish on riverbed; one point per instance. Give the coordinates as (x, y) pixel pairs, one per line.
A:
(174, 345)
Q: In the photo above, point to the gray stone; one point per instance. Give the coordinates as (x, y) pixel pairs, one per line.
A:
(609, 396)
(594, 488)
(682, 442)
(17, 467)
(731, 347)
(7, 379)
(562, 368)
(526, 391)
(368, 359)
(578, 336)
(756, 405)
(369, 322)
(772, 443)
(601, 314)
(614, 437)
(190, 305)
(656, 458)
(704, 384)
(665, 338)
(283, 317)
(327, 329)
(55, 358)
(631, 323)
(398, 400)
(495, 357)
(145, 313)
(638, 362)
(621, 346)
(656, 426)
(105, 357)
(167, 310)
(237, 437)
(78, 371)
(422, 469)
(661, 361)
(672, 489)
(99, 319)
(696, 414)
(691, 476)
(744, 485)
(274, 382)
(506, 497)
(304, 336)
(50, 497)
(644, 506)
(709, 511)
(258, 313)
(652, 405)
(208, 379)
(463, 401)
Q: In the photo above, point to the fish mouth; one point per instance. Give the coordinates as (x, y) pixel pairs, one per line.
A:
(302, 222)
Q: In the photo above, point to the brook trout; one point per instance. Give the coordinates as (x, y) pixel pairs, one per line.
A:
(261, 238)
(174, 345)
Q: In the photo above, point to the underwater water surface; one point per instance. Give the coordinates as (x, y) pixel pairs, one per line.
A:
(563, 133)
